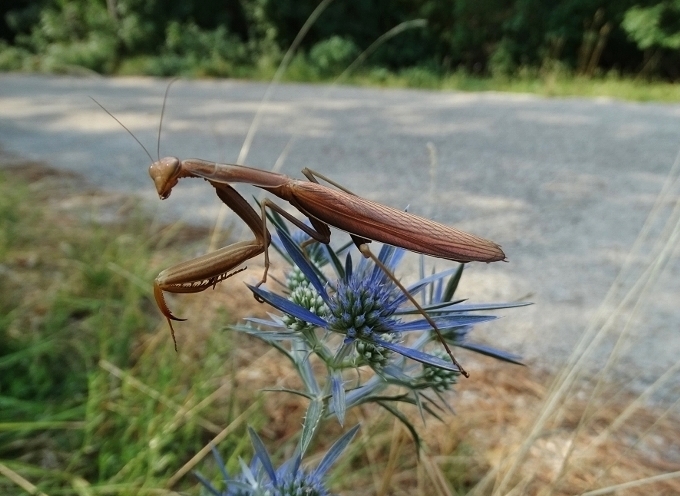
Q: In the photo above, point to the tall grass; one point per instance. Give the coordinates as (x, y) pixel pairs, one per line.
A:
(549, 83)
(94, 398)
(600, 438)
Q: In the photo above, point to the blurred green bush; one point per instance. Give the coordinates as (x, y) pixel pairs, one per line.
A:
(211, 38)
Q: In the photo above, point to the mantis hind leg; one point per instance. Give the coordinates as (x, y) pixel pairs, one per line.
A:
(312, 175)
(366, 252)
(362, 245)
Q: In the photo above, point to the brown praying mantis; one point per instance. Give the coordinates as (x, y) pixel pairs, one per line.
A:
(363, 219)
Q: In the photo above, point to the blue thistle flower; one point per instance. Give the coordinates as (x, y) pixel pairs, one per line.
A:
(260, 477)
(302, 293)
(374, 317)
(366, 306)
(439, 379)
(363, 305)
(360, 308)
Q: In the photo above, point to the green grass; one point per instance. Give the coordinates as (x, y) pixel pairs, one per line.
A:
(548, 83)
(552, 80)
(92, 393)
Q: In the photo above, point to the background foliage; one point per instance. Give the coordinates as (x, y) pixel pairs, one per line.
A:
(239, 37)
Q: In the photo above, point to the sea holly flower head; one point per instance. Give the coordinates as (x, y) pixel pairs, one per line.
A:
(362, 303)
(356, 317)
(374, 355)
(362, 307)
(260, 478)
(439, 379)
(303, 294)
(378, 325)
(296, 278)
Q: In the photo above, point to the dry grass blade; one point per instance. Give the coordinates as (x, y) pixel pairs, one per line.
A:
(255, 124)
(583, 441)
(632, 484)
(20, 481)
(221, 436)
(156, 395)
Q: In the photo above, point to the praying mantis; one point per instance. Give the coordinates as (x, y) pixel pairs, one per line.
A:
(363, 219)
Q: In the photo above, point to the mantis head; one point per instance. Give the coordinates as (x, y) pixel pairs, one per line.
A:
(165, 174)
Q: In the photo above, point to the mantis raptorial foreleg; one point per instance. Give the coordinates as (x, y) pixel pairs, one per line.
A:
(198, 274)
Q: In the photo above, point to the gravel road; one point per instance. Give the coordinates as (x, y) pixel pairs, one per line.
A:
(564, 185)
